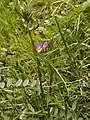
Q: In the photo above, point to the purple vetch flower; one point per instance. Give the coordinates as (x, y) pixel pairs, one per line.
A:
(38, 47)
(45, 46)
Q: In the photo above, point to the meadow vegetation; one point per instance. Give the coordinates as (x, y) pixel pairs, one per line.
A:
(44, 59)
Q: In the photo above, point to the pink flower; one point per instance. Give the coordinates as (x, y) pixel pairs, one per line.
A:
(45, 46)
(39, 47)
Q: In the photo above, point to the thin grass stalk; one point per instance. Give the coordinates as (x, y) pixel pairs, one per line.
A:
(64, 41)
(73, 63)
(56, 71)
(38, 62)
(51, 79)
(40, 76)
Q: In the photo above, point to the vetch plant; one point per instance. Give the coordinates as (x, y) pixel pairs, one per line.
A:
(44, 63)
(40, 47)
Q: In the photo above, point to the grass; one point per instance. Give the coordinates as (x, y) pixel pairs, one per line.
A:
(53, 84)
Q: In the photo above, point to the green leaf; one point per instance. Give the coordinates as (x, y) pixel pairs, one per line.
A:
(69, 115)
(25, 83)
(9, 82)
(88, 74)
(31, 108)
(4, 49)
(23, 114)
(2, 84)
(33, 83)
(80, 119)
(62, 113)
(74, 105)
(9, 91)
(18, 83)
(56, 112)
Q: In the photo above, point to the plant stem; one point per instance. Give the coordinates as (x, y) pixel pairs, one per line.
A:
(51, 79)
(38, 63)
(73, 63)
(64, 41)
(40, 76)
